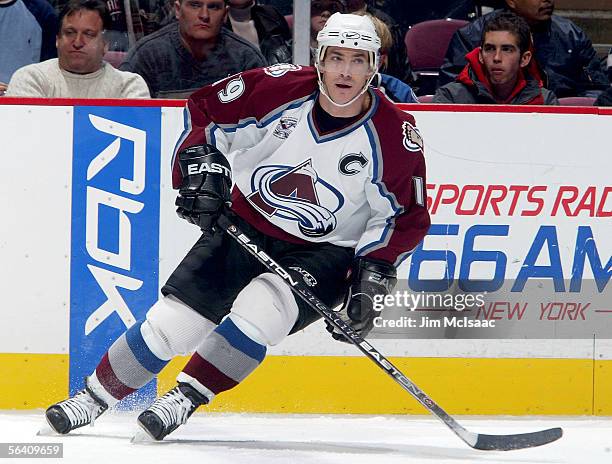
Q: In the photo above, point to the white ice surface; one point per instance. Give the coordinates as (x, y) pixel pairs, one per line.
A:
(329, 439)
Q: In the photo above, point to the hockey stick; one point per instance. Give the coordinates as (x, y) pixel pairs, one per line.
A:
(475, 440)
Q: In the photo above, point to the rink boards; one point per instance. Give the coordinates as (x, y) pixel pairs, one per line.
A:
(89, 234)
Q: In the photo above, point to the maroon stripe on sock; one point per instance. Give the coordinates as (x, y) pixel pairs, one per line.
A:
(109, 380)
(208, 375)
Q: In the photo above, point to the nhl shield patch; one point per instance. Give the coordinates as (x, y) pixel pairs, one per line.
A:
(284, 127)
(280, 69)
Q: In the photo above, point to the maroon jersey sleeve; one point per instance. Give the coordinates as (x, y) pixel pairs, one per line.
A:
(215, 112)
(398, 198)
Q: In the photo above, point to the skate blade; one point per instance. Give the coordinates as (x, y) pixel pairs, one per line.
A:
(143, 438)
(47, 431)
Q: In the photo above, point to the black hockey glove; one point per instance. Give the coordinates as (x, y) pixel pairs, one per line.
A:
(370, 278)
(206, 186)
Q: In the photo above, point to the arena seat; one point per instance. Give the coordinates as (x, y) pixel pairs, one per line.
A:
(426, 45)
(289, 19)
(115, 58)
(425, 98)
(576, 101)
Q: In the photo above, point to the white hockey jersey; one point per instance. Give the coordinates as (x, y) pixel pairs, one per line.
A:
(362, 186)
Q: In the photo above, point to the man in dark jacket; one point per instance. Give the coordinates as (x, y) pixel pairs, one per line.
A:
(191, 52)
(264, 27)
(502, 70)
(562, 49)
(284, 7)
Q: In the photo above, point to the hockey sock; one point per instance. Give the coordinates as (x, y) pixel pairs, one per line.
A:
(224, 359)
(128, 365)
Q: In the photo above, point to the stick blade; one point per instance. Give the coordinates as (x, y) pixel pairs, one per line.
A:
(518, 441)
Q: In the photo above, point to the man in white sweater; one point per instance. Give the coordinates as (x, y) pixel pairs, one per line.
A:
(79, 71)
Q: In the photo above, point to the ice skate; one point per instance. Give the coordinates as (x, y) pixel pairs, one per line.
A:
(171, 410)
(82, 409)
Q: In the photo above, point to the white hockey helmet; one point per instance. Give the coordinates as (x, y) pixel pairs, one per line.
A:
(349, 31)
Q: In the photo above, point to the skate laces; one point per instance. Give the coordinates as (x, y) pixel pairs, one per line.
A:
(81, 409)
(173, 408)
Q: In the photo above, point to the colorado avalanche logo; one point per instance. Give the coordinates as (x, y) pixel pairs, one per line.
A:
(412, 137)
(279, 70)
(296, 193)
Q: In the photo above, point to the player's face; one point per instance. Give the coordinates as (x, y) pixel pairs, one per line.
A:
(501, 57)
(344, 72)
(200, 19)
(80, 42)
(533, 11)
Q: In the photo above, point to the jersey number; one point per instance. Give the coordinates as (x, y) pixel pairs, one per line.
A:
(233, 90)
(419, 190)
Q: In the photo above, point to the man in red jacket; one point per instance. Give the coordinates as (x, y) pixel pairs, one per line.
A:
(502, 70)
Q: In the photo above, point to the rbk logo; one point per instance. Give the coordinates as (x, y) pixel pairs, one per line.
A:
(115, 202)
(296, 193)
(110, 281)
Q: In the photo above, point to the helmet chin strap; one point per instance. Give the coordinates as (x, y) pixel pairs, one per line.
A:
(323, 89)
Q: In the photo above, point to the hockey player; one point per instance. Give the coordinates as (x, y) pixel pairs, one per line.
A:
(329, 181)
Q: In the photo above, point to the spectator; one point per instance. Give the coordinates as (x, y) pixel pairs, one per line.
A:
(320, 11)
(192, 52)
(47, 18)
(117, 34)
(79, 71)
(27, 34)
(264, 27)
(561, 47)
(605, 99)
(502, 70)
(20, 38)
(396, 90)
(397, 62)
(157, 14)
